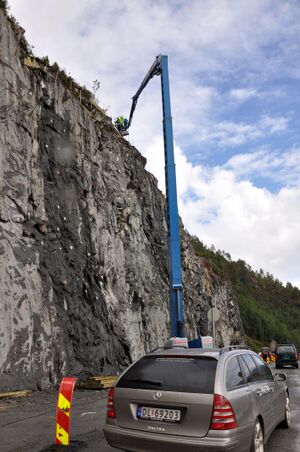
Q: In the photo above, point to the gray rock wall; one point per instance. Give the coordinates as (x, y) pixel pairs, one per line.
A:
(83, 239)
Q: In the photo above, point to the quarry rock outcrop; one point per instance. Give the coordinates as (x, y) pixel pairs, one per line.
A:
(83, 239)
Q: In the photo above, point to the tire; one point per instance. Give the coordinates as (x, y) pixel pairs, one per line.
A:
(277, 366)
(286, 423)
(296, 366)
(257, 444)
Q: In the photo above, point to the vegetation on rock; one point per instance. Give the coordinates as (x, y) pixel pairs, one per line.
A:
(4, 5)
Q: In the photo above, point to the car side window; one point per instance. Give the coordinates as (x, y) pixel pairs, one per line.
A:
(264, 370)
(246, 370)
(254, 372)
(234, 375)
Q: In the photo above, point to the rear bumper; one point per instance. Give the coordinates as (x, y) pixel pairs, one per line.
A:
(138, 441)
(286, 362)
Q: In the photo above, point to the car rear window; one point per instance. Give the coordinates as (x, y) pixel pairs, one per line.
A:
(172, 373)
(285, 349)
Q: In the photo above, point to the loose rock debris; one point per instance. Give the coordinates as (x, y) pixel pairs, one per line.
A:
(14, 394)
(97, 382)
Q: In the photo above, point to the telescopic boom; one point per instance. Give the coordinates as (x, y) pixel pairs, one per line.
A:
(160, 67)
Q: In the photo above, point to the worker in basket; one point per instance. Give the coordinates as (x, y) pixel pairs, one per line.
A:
(121, 124)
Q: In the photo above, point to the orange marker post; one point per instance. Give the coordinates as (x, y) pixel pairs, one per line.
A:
(63, 411)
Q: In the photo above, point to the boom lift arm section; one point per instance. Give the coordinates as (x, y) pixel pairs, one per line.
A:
(160, 67)
(154, 70)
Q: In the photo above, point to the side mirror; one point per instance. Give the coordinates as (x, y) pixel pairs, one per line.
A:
(280, 377)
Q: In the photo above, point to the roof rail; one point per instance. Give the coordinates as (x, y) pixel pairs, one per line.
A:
(233, 347)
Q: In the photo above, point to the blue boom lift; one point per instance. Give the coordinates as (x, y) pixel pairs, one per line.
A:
(160, 67)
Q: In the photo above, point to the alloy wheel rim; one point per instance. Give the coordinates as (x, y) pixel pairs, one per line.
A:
(259, 438)
(288, 411)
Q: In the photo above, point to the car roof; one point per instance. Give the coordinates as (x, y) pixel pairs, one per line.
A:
(181, 351)
(284, 345)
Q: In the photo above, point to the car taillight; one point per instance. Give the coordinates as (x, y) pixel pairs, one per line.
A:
(110, 404)
(223, 417)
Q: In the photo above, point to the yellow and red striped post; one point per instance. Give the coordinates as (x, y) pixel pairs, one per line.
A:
(63, 411)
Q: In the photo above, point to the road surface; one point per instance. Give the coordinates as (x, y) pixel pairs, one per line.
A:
(28, 425)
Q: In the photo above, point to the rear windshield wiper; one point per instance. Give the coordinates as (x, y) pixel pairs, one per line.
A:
(148, 382)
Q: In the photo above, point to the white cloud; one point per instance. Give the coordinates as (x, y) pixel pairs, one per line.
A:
(283, 167)
(273, 125)
(243, 94)
(231, 134)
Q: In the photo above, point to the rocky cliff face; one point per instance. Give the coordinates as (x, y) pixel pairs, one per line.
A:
(83, 238)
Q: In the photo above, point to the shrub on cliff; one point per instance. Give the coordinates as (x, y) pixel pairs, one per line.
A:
(4, 5)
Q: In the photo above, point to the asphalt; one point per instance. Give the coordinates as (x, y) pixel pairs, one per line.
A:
(28, 424)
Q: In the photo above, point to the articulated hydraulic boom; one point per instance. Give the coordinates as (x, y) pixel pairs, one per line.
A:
(160, 67)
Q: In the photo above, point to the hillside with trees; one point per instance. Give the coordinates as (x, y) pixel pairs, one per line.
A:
(269, 310)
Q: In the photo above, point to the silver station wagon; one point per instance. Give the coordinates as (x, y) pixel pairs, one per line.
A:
(180, 399)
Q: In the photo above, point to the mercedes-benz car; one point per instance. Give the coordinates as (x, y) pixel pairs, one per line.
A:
(180, 399)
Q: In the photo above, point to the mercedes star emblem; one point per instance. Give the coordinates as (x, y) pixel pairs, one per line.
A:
(157, 395)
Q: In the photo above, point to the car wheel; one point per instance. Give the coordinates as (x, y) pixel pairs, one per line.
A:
(296, 366)
(277, 366)
(258, 438)
(286, 423)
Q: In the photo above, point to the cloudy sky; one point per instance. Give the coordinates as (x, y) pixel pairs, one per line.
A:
(234, 73)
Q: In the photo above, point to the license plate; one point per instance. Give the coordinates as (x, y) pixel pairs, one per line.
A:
(158, 414)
